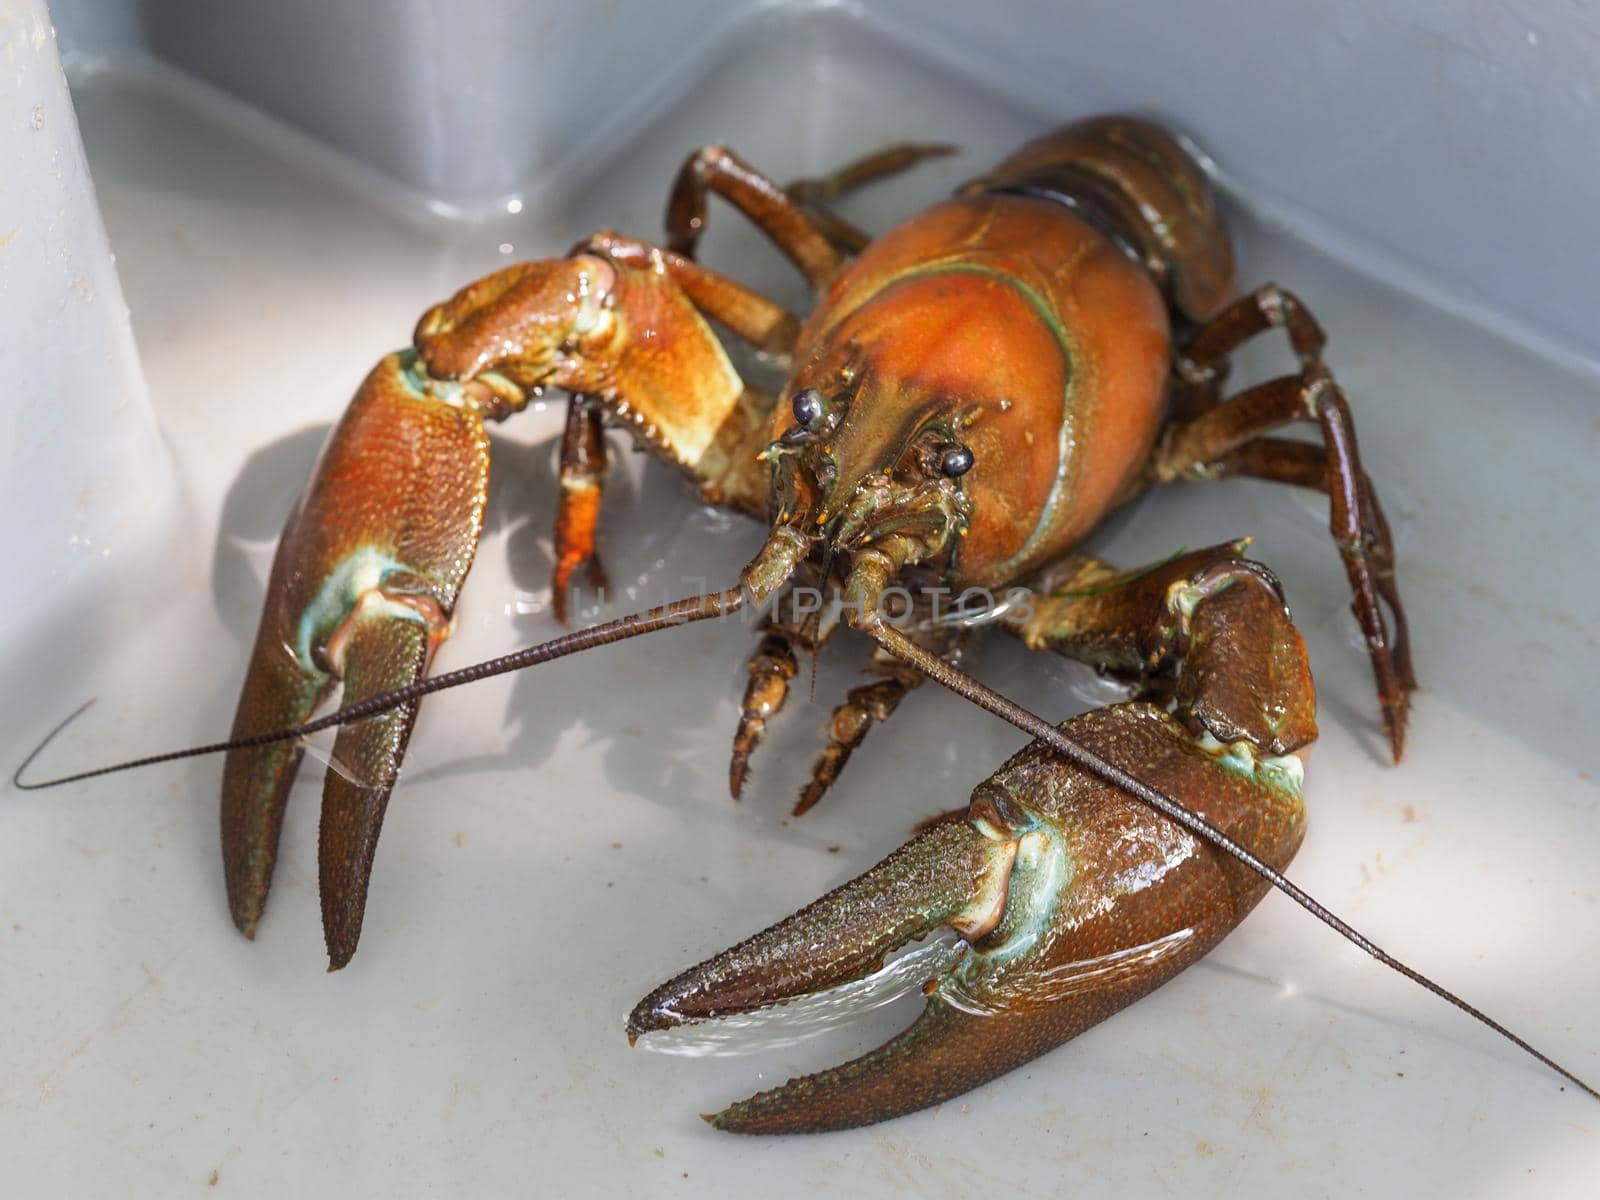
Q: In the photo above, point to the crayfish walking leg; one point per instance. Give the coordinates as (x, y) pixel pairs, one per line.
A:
(1226, 436)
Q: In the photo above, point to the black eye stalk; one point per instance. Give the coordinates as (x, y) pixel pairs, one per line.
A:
(809, 407)
(955, 461)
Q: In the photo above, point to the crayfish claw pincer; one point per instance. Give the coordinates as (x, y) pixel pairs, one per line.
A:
(1073, 899)
(362, 591)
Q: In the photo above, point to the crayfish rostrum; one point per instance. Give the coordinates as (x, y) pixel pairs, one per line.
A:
(974, 391)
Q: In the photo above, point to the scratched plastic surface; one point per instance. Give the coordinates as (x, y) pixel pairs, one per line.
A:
(564, 841)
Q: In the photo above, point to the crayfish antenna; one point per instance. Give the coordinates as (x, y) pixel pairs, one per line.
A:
(690, 609)
(16, 776)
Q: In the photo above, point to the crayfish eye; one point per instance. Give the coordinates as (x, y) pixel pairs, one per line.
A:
(808, 407)
(955, 461)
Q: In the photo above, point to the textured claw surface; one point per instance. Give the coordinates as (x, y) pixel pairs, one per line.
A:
(1075, 898)
(256, 781)
(940, 1056)
(950, 874)
(363, 585)
(382, 654)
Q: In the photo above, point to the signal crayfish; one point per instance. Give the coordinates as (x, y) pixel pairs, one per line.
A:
(974, 392)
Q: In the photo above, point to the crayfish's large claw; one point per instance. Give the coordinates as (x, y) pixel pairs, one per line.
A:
(362, 590)
(1073, 898)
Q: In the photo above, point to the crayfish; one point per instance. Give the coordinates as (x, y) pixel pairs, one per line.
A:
(974, 392)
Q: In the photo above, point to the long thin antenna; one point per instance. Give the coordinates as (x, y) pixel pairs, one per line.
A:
(679, 612)
(1037, 727)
